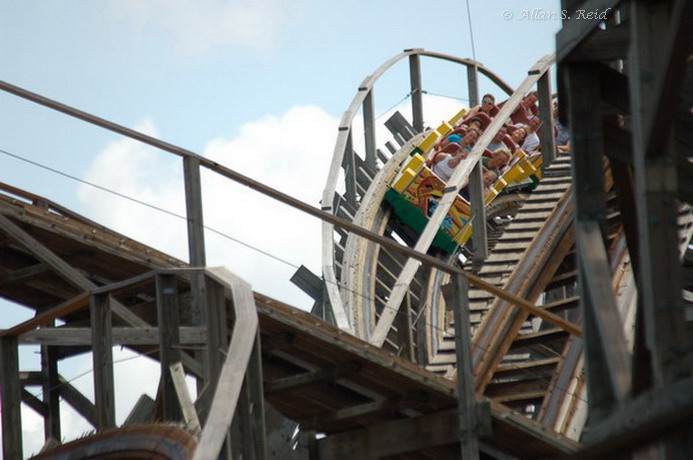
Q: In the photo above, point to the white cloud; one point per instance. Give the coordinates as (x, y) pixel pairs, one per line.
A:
(291, 153)
(198, 26)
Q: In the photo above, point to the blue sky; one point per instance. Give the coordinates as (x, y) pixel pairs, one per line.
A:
(258, 85)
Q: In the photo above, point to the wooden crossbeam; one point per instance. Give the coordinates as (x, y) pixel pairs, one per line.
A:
(311, 378)
(69, 306)
(71, 336)
(78, 401)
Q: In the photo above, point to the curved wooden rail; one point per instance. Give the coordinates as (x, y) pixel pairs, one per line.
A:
(364, 97)
(452, 188)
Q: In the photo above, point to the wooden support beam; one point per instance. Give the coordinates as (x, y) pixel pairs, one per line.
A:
(34, 403)
(22, 275)
(169, 342)
(347, 414)
(297, 381)
(51, 393)
(606, 347)
(76, 303)
(375, 442)
(473, 85)
(661, 37)
(349, 165)
(74, 336)
(405, 331)
(525, 305)
(457, 295)
(10, 398)
(192, 422)
(78, 401)
(605, 388)
(656, 70)
(548, 136)
(256, 397)
(369, 129)
(416, 92)
(193, 206)
(102, 343)
(217, 329)
(479, 235)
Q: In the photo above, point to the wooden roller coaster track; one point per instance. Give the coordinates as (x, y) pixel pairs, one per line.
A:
(386, 380)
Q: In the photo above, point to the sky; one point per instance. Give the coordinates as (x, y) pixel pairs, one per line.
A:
(257, 85)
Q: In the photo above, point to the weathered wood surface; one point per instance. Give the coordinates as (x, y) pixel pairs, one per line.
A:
(384, 388)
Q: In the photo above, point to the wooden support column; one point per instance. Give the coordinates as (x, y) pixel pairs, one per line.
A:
(369, 129)
(457, 294)
(196, 244)
(476, 184)
(217, 329)
(10, 397)
(169, 342)
(102, 350)
(548, 137)
(405, 330)
(51, 391)
(590, 207)
(656, 63)
(473, 85)
(349, 165)
(479, 235)
(416, 92)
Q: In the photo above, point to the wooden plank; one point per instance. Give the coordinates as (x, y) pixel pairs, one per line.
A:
(548, 137)
(416, 94)
(254, 378)
(374, 442)
(233, 371)
(460, 174)
(65, 308)
(73, 336)
(457, 295)
(169, 343)
(369, 131)
(405, 331)
(217, 329)
(78, 401)
(194, 213)
(310, 378)
(35, 404)
(606, 345)
(479, 235)
(102, 344)
(51, 394)
(10, 397)
(192, 422)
